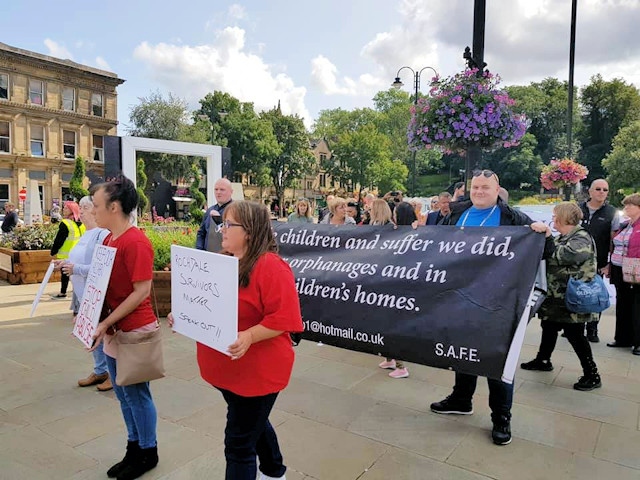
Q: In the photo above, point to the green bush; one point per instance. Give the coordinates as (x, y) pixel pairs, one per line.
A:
(162, 238)
(30, 237)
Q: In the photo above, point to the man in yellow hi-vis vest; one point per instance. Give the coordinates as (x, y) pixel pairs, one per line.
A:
(69, 232)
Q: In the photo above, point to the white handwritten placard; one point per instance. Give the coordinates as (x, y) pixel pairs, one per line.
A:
(204, 296)
(45, 280)
(95, 290)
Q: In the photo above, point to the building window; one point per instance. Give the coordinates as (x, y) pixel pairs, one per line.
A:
(323, 158)
(36, 92)
(69, 99)
(4, 86)
(98, 148)
(4, 194)
(69, 144)
(5, 138)
(237, 177)
(96, 104)
(309, 185)
(323, 180)
(37, 140)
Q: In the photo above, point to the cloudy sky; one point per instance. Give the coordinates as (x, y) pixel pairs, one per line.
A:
(313, 55)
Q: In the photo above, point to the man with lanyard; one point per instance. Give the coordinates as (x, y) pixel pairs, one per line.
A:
(485, 209)
(600, 219)
(208, 237)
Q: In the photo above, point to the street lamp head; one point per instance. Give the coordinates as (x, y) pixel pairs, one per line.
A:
(222, 114)
(202, 117)
(397, 83)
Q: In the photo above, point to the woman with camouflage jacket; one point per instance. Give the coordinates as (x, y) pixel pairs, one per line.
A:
(573, 257)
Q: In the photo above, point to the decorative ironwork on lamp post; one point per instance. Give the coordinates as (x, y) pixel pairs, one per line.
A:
(416, 84)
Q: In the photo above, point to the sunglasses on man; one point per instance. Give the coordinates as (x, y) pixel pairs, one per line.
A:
(486, 174)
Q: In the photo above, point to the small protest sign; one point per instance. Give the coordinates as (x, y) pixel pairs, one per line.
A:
(204, 296)
(94, 294)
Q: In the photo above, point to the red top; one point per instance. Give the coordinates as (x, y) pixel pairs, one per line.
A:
(133, 263)
(634, 241)
(270, 300)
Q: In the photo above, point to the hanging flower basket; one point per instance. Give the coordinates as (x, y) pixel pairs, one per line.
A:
(465, 110)
(562, 173)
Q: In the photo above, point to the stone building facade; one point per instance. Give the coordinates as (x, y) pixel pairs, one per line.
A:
(51, 111)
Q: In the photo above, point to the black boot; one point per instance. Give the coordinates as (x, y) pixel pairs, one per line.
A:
(132, 451)
(537, 364)
(590, 379)
(146, 459)
(592, 332)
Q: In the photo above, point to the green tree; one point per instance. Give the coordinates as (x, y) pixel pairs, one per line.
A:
(165, 119)
(141, 184)
(545, 105)
(623, 160)
(76, 183)
(293, 158)
(518, 167)
(359, 157)
(607, 106)
(195, 208)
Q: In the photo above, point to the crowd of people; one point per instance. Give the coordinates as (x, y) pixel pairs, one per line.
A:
(593, 240)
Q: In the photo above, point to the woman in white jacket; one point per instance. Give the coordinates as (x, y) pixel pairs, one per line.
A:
(77, 267)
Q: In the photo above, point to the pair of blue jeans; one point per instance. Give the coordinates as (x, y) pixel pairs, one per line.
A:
(249, 434)
(500, 395)
(99, 360)
(138, 409)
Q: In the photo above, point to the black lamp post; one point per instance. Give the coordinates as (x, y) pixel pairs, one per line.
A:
(416, 83)
(475, 59)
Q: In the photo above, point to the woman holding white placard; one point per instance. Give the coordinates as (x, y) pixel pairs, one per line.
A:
(259, 363)
(77, 267)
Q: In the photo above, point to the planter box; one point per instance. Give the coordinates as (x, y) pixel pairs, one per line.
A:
(161, 294)
(20, 267)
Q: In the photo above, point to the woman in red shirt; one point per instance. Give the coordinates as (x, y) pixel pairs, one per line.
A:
(260, 361)
(128, 301)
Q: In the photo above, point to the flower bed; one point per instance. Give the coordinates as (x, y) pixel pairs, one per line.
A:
(161, 240)
(25, 254)
(465, 110)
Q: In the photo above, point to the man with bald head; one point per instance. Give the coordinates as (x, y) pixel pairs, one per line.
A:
(484, 209)
(600, 219)
(207, 237)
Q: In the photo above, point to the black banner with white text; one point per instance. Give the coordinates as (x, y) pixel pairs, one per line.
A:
(441, 296)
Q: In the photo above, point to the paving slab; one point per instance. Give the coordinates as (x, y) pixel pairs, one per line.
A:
(341, 417)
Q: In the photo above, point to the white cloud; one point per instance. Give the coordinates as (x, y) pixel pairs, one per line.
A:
(57, 50)
(237, 12)
(525, 40)
(324, 76)
(191, 72)
(102, 64)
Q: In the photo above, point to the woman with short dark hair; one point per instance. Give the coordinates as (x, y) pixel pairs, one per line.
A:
(129, 306)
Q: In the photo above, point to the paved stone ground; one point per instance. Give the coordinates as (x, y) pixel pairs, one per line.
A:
(341, 418)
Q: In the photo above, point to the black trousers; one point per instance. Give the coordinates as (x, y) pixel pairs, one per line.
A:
(64, 283)
(248, 435)
(575, 335)
(627, 310)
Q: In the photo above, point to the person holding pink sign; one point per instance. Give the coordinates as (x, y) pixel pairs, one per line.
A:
(129, 305)
(259, 363)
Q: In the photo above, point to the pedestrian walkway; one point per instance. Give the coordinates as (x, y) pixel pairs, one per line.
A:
(341, 418)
